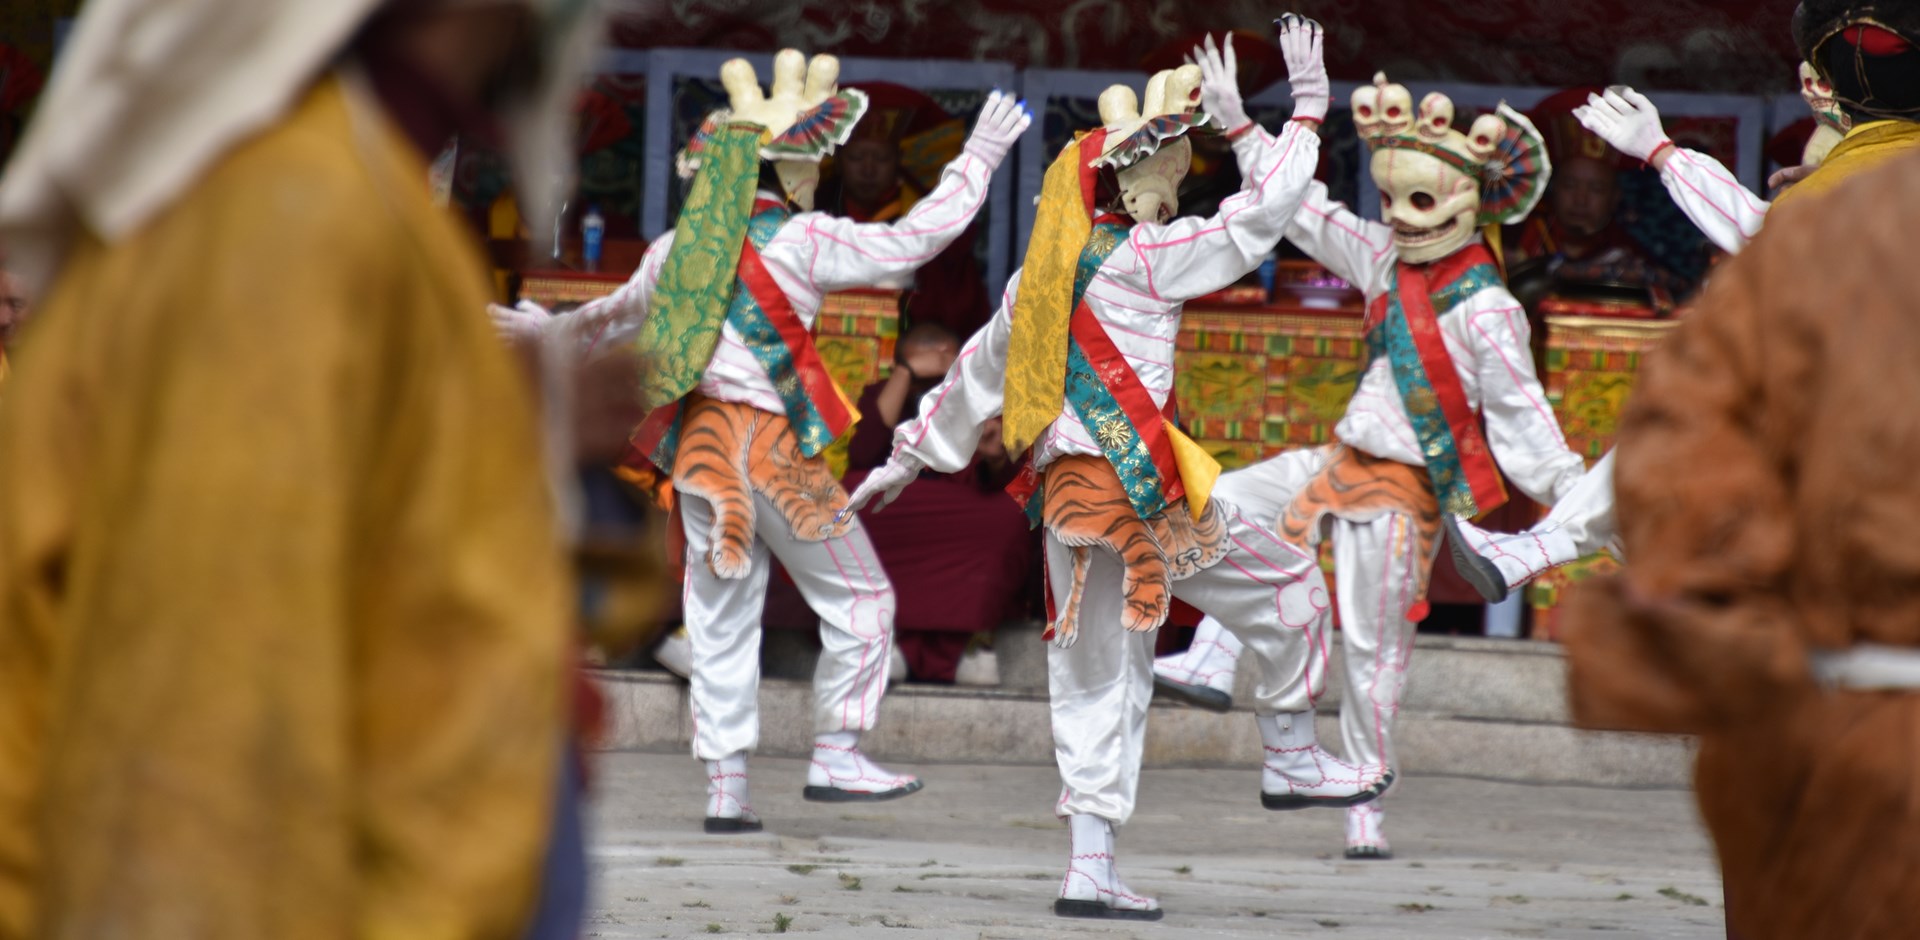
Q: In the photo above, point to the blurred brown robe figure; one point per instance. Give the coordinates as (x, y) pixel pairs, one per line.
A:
(1767, 500)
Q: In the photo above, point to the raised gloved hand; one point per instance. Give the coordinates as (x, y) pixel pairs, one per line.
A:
(886, 483)
(1625, 119)
(1002, 120)
(1220, 84)
(1301, 46)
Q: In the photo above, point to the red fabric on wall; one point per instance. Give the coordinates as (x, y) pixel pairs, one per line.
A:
(1679, 45)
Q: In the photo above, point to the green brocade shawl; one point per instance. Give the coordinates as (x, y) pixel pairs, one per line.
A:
(696, 281)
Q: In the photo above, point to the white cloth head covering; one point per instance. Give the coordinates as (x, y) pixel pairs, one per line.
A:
(146, 95)
(149, 93)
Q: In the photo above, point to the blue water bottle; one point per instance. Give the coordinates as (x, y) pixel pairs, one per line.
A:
(1268, 267)
(593, 233)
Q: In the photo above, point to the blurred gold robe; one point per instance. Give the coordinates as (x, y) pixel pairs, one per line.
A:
(283, 612)
(1864, 149)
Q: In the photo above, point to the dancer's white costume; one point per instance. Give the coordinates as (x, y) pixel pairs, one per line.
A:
(1730, 216)
(1099, 675)
(1379, 548)
(830, 559)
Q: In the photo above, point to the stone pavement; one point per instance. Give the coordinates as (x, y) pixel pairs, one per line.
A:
(978, 855)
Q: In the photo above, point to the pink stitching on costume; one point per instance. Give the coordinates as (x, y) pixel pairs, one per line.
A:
(1514, 373)
(1754, 204)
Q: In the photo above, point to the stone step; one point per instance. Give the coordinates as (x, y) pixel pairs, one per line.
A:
(1458, 677)
(649, 711)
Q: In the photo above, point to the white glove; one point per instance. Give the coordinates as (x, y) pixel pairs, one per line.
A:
(1301, 45)
(886, 483)
(1625, 119)
(1002, 120)
(525, 321)
(1220, 84)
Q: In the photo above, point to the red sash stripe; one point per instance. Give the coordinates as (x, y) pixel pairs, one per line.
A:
(1133, 397)
(1476, 459)
(807, 365)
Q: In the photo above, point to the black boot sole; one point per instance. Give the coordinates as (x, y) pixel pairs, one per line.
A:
(721, 825)
(837, 795)
(1482, 574)
(1198, 696)
(1286, 801)
(1361, 853)
(1094, 910)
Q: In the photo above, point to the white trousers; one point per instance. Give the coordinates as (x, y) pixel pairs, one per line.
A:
(843, 583)
(1100, 686)
(1377, 570)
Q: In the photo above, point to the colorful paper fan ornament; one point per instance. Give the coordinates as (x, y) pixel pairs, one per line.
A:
(1514, 179)
(1145, 140)
(1137, 126)
(686, 164)
(816, 133)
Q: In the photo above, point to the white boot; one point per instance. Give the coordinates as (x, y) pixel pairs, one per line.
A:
(675, 653)
(1092, 887)
(978, 666)
(1203, 675)
(1496, 563)
(1365, 836)
(1299, 773)
(728, 809)
(896, 666)
(841, 774)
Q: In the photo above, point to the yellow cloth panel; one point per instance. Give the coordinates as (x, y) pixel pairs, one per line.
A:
(283, 615)
(1198, 469)
(1037, 350)
(1863, 149)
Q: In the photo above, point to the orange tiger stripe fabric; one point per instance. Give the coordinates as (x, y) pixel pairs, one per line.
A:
(1360, 487)
(728, 452)
(1085, 507)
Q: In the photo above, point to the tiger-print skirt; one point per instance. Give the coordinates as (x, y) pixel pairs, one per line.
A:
(728, 452)
(1085, 506)
(1360, 487)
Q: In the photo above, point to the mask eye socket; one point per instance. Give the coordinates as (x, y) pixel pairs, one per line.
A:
(1423, 201)
(1386, 202)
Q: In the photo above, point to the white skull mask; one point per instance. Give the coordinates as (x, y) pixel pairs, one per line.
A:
(1421, 166)
(1150, 189)
(1150, 183)
(1430, 205)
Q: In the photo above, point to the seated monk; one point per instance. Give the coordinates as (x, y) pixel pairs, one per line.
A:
(959, 552)
(1580, 236)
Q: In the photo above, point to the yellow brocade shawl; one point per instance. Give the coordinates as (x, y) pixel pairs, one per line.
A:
(1042, 310)
(1864, 149)
(284, 617)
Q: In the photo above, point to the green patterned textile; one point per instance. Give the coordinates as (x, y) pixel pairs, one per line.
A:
(696, 281)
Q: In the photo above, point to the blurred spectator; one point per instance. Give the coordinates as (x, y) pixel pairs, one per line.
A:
(959, 551)
(287, 643)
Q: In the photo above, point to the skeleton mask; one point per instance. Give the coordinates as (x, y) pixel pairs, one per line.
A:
(1830, 122)
(1147, 144)
(1150, 189)
(1429, 174)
